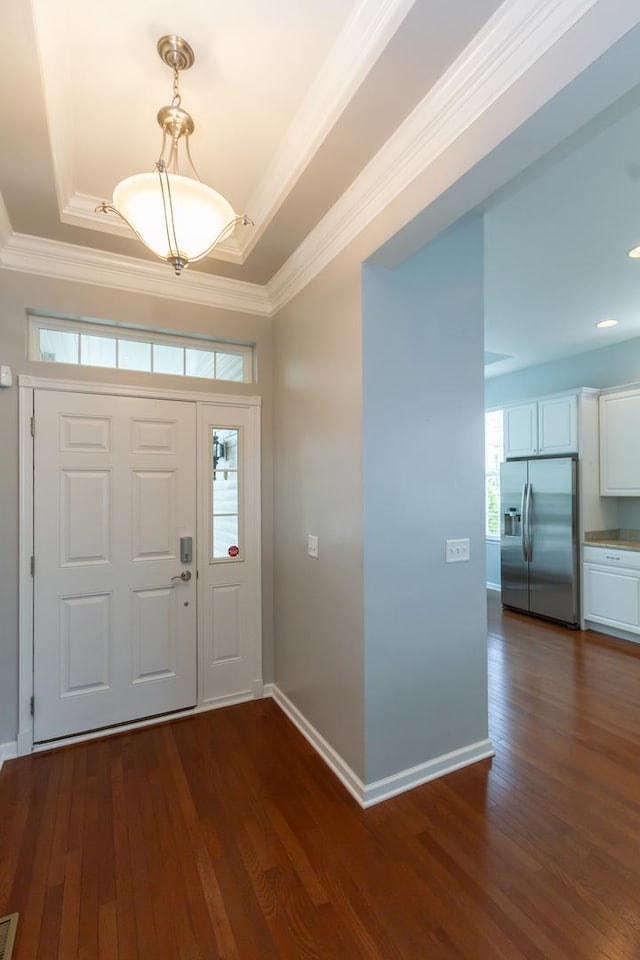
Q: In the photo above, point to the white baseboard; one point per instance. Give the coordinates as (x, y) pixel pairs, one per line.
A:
(494, 586)
(611, 631)
(364, 794)
(413, 777)
(216, 702)
(371, 793)
(8, 751)
(331, 757)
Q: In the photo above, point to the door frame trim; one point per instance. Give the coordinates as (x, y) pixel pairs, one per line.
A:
(26, 386)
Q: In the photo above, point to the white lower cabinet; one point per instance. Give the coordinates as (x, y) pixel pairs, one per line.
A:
(611, 586)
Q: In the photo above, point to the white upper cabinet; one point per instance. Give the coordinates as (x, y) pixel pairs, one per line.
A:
(620, 444)
(542, 427)
(558, 425)
(521, 430)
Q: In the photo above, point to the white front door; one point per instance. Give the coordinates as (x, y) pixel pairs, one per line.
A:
(114, 492)
(229, 561)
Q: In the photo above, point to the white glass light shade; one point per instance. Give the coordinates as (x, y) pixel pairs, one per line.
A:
(200, 214)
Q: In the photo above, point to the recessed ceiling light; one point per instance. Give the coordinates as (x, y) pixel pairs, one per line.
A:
(634, 253)
(606, 323)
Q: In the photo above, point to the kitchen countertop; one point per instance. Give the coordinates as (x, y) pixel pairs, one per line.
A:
(620, 539)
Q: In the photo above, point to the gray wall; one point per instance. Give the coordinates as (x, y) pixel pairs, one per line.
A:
(318, 490)
(20, 291)
(425, 620)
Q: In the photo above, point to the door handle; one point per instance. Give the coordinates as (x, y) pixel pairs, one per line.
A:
(185, 575)
(529, 537)
(523, 524)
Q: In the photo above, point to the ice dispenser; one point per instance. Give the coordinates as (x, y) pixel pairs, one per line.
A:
(512, 523)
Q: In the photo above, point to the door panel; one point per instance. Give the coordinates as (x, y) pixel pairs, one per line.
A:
(114, 490)
(85, 631)
(85, 509)
(224, 612)
(154, 496)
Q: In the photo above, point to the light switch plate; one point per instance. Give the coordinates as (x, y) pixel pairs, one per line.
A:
(312, 546)
(457, 550)
(6, 377)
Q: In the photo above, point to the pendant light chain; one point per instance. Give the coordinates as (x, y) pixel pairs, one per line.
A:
(177, 99)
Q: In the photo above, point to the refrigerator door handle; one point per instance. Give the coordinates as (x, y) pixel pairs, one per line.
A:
(523, 525)
(528, 508)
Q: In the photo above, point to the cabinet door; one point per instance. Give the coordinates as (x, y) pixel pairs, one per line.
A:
(521, 430)
(619, 447)
(558, 425)
(612, 597)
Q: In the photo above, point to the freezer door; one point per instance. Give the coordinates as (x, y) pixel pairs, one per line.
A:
(513, 563)
(551, 520)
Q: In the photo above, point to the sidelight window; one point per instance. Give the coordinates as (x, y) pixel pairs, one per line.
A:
(225, 494)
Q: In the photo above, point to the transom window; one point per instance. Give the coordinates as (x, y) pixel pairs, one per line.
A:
(87, 343)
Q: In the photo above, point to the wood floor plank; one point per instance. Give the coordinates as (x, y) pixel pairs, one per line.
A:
(224, 835)
(34, 867)
(124, 880)
(70, 909)
(146, 935)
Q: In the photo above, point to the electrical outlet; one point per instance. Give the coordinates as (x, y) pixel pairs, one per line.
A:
(312, 546)
(457, 551)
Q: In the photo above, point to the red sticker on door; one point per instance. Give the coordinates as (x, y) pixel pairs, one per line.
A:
(234, 551)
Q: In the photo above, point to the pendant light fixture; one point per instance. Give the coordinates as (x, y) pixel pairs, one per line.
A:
(179, 218)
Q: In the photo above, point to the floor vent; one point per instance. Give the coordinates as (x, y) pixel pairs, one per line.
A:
(7, 935)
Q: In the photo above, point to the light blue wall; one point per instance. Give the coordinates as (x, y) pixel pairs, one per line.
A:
(493, 563)
(556, 241)
(423, 460)
(607, 367)
(629, 513)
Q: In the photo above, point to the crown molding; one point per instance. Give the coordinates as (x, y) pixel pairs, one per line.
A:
(66, 261)
(356, 50)
(354, 53)
(80, 211)
(511, 41)
(517, 36)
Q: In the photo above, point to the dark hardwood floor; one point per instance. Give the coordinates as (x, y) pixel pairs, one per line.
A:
(224, 835)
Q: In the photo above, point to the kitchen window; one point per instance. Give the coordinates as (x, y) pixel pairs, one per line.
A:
(493, 450)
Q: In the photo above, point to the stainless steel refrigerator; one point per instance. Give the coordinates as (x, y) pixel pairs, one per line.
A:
(539, 537)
